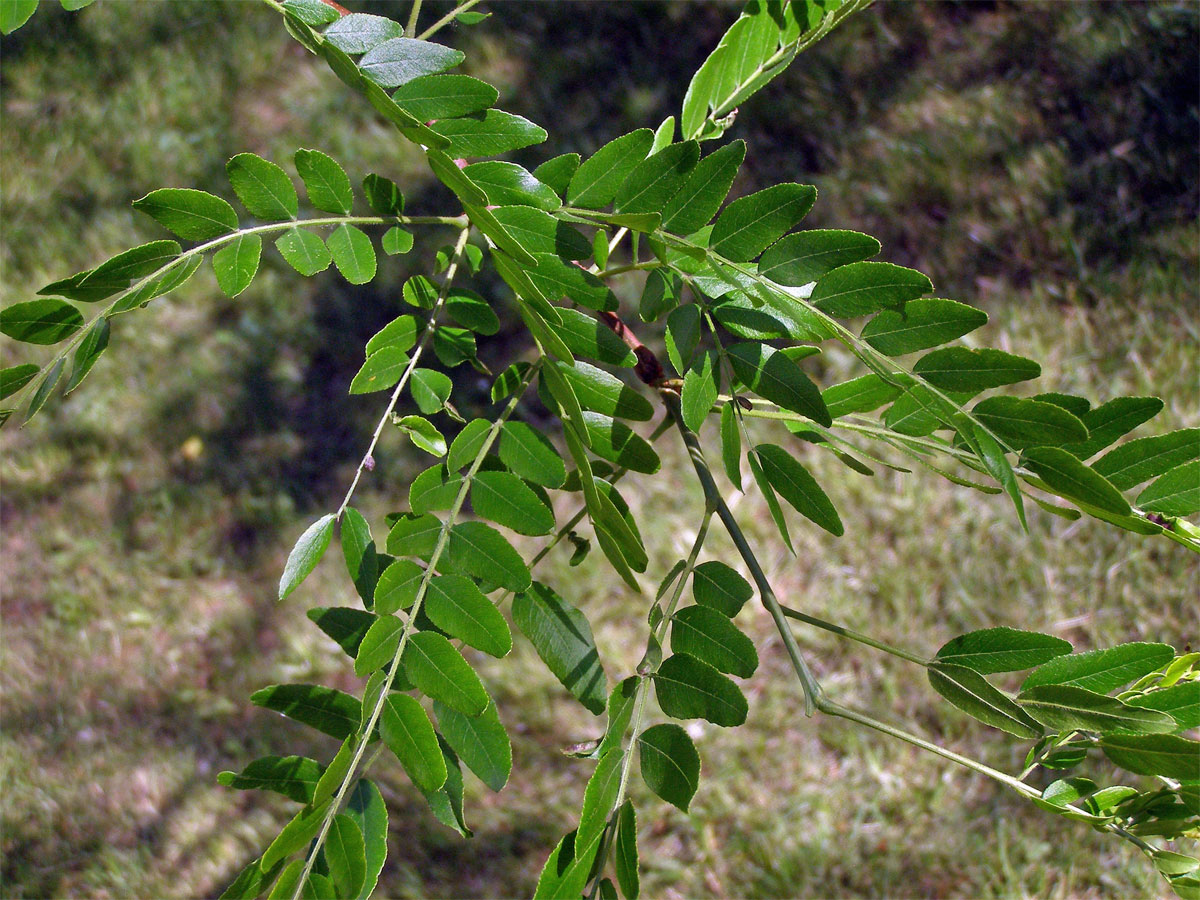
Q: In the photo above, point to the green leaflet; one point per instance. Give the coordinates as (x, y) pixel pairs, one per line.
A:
(704, 191)
(617, 443)
(971, 692)
(346, 856)
(115, 274)
(792, 481)
(15, 13)
(600, 795)
(1072, 479)
(563, 639)
(1023, 423)
(866, 287)
(1181, 701)
(601, 392)
(359, 32)
(961, 369)
(1065, 707)
(540, 233)
(305, 555)
(801, 258)
(191, 214)
(482, 552)
(400, 333)
(378, 645)
(1166, 755)
(345, 625)
(467, 444)
(595, 182)
(701, 387)
(444, 96)
(396, 241)
(383, 196)
(382, 369)
(507, 184)
(423, 434)
(447, 802)
(660, 294)
(304, 251)
(430, 390)
(774, 377)
(14, 378)
(433, 490)
(454, 346)
(750, 224)
(295, 834)
(370, 813)
(768, 493)
(683, 335)
(567, 869)
(399, 60)
(293, 776)
(709, 636)
(1102, 670)
(1112, 420)
(923, 323)
(1142, 459)
(457, 606)
(352, 254)
(528, 453)
(505, 499)
(420, 292)
(480, 741)
(1001, 650)
(657, 179)
(688, 688)
(488, 133)
(397, 585)
(263, 187)
(625, 852)
(716, 585)
(236, 264)
(1177, 493)
(439, 671)
(585, 336)
(326, 181)
(558, 279)
(670, 764)
(408, 733)
(557, 172)
(731, 445)
(313, 13)
(858, 395)
(43, 321)
(327, 710)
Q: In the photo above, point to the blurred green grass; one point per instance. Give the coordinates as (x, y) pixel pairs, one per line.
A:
(979, 142)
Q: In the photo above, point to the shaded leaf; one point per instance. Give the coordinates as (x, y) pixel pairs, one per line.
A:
(563, 639)
(506, 500)
(482, 552)
(345, 854)
(709, 636)
(440, 672)
(1177, 493)
(444, 96)
(1023, 423)
(556, 173)
(670, 764)
(304, 251)
(457, 606)
(793, 482)
(1072, 479)
(971, 692)
(236, 264)
(1142, 459)
(688, 688)
(359, 32)
(774, 377)
(858, 395)
(327, 710)
(866, 287)
(408, 733)
(961, 369)
(293, 776)
(1065, 707)
(1166, 755)
(480, 741)
(43, 321)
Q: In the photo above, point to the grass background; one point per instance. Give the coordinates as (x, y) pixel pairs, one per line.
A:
(1039, 160)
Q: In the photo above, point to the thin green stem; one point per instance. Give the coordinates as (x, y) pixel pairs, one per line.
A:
(712, 495)
(439, 548)
(842, 712)
(200, 249)
(630, 267)
(446, 19)
(411, 30)
(853, 635)
(426, 335)
(1046, 751)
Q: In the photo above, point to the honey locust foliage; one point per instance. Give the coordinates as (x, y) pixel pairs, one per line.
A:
(745, 298)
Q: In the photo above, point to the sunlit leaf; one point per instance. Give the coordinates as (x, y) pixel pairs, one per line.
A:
(191, 214)
(263, 187)
(408, 733)
(306, 554)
